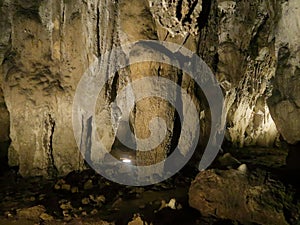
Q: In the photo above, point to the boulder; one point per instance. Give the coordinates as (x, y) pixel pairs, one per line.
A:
(245, 197)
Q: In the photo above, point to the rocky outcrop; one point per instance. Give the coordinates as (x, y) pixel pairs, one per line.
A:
(245, 197)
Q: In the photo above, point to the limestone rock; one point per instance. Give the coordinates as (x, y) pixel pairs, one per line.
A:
(147, 108)
(42, 59)
(32, 213)
(46, 217)
(246, 65)
(227, 161)
(178, 17)
(137, 220)
(37, 86)
(40, 75)
(43, 67)
(247, 198)
(88, 185)
(285, 100)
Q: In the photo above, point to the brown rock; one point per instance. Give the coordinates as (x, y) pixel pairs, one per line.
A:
(74, 190)
(88, 185)
(66, 187)
(94, 212)
(285, 100)
(137, 220)
(234, 195)
(46, 217)
(66, 206)
(42, 60)
(85, 201)
(32, 213)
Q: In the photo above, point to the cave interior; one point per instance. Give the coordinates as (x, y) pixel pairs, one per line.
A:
(94, 131)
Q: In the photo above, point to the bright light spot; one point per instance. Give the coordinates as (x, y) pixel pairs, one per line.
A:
(126, 160)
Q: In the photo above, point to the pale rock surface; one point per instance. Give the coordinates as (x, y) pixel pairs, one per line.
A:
(285, 100)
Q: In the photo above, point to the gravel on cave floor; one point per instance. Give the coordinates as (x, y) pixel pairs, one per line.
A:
(87, 198)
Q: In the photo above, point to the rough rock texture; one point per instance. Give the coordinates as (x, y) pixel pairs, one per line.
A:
(245, 62)
(138, 13)
(32, 213)
(38, 77)
(247, 198)
(285, 100)
(241, 54)
(42, 67)
(46, 47)
(5, 29)
(178, 17)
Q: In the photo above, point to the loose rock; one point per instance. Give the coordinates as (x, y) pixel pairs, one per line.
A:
(32, 213)
(88, 185)
(46, 217)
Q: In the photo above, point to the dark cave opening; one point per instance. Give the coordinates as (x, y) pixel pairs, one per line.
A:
(4, 134)
(4, 156)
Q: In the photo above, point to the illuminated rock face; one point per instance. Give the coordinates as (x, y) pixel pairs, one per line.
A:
(48, 50)
(46, 46)
(285, 100)
(246, 65)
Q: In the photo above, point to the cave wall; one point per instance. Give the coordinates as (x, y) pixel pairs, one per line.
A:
(46, 46)
(5, 30)
(4, 114)
(241, 51)
(285, 100)
(38, 77)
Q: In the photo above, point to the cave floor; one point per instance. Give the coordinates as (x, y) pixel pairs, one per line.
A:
(116, 203)
(87, 198)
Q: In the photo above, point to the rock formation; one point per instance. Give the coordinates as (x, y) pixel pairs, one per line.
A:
(247, 198)
(46, 47)
(285, 100)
